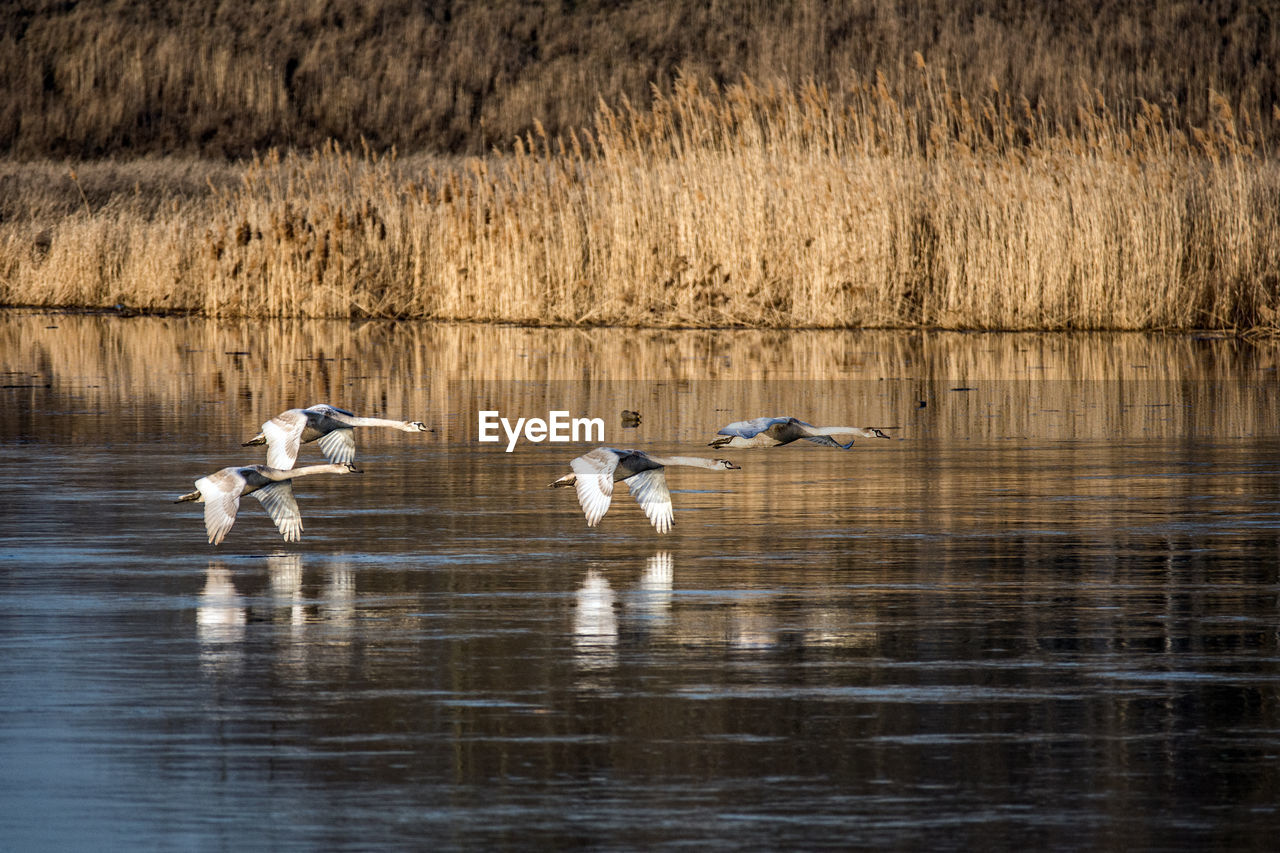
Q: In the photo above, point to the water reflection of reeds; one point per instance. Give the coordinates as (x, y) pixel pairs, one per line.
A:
(229, 376)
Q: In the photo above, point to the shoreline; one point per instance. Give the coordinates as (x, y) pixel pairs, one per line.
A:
(125, 313)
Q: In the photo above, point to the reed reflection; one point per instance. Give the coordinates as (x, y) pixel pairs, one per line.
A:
(232, 375)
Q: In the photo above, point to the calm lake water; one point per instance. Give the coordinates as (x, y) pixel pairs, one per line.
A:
(1046, 615)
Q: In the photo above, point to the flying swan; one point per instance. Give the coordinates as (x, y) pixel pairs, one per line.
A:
(331, 426)
(594, 474)
(773, 432)
(220, 492)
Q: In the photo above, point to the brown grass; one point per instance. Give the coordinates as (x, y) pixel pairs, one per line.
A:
(766, 206)
(106, 77)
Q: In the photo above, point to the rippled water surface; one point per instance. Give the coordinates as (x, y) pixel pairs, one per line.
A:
(1045, 615)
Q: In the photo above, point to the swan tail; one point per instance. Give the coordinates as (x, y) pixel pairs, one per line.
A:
(720, 442)
(257, 439)
(189, 496)
(566, 480)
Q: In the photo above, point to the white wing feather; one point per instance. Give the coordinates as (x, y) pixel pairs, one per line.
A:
(649, 488)
(594, 483)
(284, 438)
(339, 446)
(277, 499)
(221, 495)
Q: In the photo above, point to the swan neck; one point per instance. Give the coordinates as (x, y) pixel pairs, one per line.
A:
(308, 469)
(691, 461)
(376, 422)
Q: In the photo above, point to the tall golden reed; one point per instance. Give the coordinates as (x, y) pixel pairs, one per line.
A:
(755, 205)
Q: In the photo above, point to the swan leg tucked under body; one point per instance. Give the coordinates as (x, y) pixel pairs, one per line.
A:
(595, 473)
(220, 492)
(775, 432)
(332, 428)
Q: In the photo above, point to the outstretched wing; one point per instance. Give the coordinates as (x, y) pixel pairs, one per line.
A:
(649, 488)
(277, 499)
(220, 492)
(326, 409)
(594, 482)
(827, 441)
(751, 428)
(339, 446)
(284, 437)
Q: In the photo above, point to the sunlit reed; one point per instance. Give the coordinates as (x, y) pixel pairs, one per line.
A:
(758, 206)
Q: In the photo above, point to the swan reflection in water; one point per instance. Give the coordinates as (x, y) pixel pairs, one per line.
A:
(307, 628)
(597, 608)
(605, 619)
(220, 620)
(319, 627)
(337, 608)
(285, 574)
(595, 622)
(653, 593)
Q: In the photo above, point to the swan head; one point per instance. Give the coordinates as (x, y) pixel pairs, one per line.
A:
(419, 426)
(350, 469)
(872, 432)
(727, 465)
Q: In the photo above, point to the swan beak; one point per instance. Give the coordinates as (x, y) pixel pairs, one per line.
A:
(731, 466)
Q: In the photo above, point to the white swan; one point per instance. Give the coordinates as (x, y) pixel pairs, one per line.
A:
(221, 491)
(772, 432)
(332, 427)
(594, 474)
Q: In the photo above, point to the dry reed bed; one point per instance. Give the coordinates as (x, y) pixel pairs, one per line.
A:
(102, 78)
(754, 205)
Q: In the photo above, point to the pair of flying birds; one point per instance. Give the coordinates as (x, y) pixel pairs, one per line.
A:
(593, 475)
(272, 484)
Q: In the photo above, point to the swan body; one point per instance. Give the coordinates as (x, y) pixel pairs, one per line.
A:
(332, 427)
(595, 473)
(220, 492)
(773, 432)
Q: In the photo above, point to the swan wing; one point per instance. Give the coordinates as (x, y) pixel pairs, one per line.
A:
(649, 488)
(339, 446)
(751, 428)
(277, 499)
(220, 492)
(594, 482)
(827, 441)
(284, 438)
(326, 409)
(324, 412)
